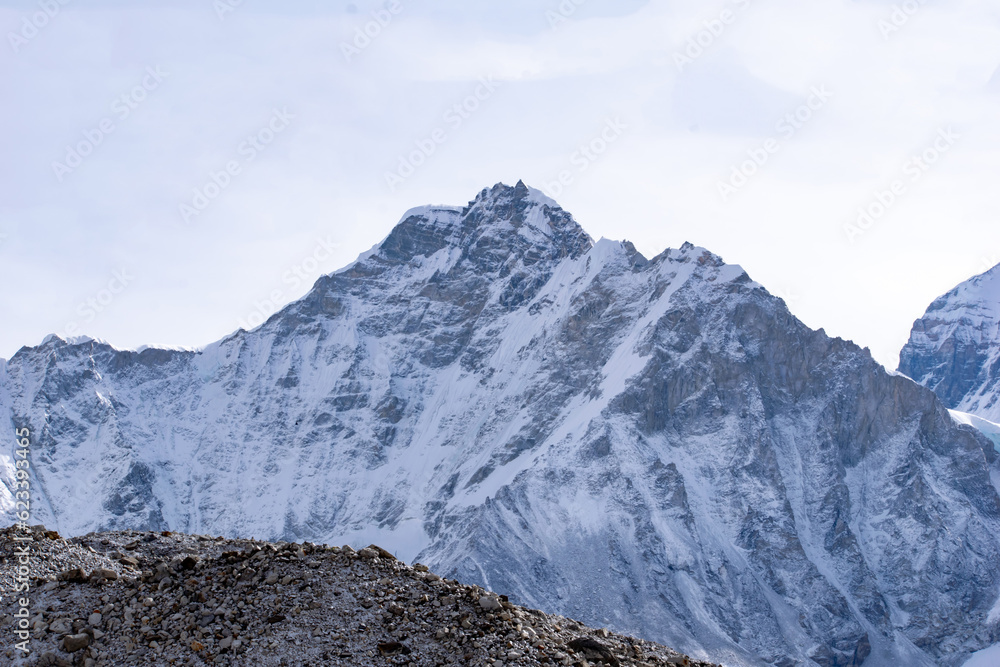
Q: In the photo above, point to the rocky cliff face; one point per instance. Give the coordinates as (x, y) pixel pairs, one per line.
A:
(954, 348)
(656, 445)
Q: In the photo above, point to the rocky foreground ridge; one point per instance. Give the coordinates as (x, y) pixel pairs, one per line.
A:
(148, 598)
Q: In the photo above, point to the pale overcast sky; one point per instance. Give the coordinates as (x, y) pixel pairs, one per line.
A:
(114, 113)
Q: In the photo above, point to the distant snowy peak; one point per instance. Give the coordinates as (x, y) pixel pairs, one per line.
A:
(978, 298)
(954, 348)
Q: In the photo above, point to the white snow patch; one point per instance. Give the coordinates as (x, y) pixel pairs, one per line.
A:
(540, 197)
(988, 657)
(990, 429)
(71, 340)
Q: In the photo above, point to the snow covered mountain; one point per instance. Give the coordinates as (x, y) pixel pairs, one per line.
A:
(954, 348)
(657, 445)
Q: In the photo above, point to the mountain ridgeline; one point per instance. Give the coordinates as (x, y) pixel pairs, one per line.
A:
(954, 348)
(655, 445)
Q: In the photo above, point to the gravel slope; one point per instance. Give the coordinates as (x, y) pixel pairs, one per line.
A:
(146, 598)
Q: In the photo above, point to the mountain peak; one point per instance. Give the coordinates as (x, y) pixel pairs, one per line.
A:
(953, 347)
(981, 290)
(520, 192)
(527, 218)
(501, 223)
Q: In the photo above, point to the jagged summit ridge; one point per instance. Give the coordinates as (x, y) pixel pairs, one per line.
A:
(502, 226)
(532, 224)
(491, 256)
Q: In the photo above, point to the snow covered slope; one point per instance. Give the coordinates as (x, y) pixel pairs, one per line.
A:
(954, 348)
(988, 657)
(990, 429)
(656, 445)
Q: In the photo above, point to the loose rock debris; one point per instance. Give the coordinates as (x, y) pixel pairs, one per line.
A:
(143, 598)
